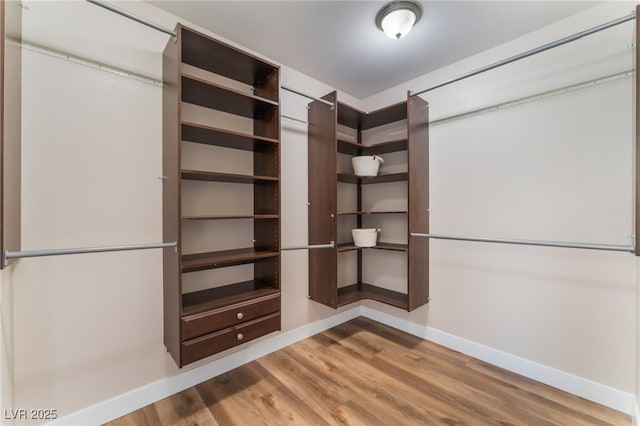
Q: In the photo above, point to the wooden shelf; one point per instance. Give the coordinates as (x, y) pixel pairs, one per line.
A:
(219, 259)
(221, 217)
(379, 246)
(368, 213)
(356, 119)
(353, 148)
(214, 298)
(357, 292)
(210, 95)
(224, 177)
(207, 135)
(392, 177)
(203, 52)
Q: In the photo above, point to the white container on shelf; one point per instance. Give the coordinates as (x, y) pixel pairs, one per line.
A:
(365, 237)
(367, 165)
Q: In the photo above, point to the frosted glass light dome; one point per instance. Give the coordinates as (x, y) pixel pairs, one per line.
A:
(397, 18)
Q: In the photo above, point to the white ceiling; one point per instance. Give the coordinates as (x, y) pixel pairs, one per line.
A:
(338, 43)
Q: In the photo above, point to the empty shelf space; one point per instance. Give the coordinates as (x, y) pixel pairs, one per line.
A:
(211, 95)
(369, 213)
(379, 246)
(224, 177)
(214, 298)
(351, 117)
(392, 177)
(218, 259)
(205, 53)
(222, 217)
(207, 135)
(353, 148)
(356, 292)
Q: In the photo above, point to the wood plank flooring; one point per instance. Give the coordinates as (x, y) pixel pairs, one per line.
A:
(366, 373)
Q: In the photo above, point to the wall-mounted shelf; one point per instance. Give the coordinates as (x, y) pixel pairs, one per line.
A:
(396, 208)
(392, 177)
(236, 97)
(354, 148)
(198, 133)
(224, 177)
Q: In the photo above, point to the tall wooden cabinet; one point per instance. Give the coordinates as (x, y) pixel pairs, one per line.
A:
(221, 196)
(396, 201)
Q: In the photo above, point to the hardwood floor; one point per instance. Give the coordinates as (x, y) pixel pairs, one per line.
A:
(366, 373)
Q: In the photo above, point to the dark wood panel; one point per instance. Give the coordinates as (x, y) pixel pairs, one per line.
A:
(361, 291)
(210, 95)
(239, 217)
(212, 55)
(10, 124)
(171, 198)
(224, 177)
(215, 298)
(356, 119)
(323, 200)
(370, 213)
(201, 347)
(267, 234)
(418, 154)
(367, 180)
(205, 322)
(366, 373)
(198, 133)
(218, 259)
(381, 245)
(353, 148)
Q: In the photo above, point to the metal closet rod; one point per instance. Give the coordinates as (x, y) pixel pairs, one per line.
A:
(532, 52)
(332, 244)
(609, 247)
(8, 255)
(133, 17)
(297, 92)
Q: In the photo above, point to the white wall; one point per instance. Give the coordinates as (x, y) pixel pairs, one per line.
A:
(89, 327)
(559, 168)
(6, 339)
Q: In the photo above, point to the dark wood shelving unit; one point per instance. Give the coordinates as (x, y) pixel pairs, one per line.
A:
(371, 213)
(219, 315)
(354, 148)
(201, 92)
(198, 133)
(220, 297)
(359, 180)
(219, 259)
(224, 177)
(356, 292)
(381, 245)
(227, 217)
(324, 175)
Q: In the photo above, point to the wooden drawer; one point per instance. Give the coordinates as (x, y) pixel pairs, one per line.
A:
(203, 346)
(217, 319)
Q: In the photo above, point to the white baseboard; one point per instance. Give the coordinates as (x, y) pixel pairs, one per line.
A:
(585, 388)
(130, 401)
(137, 398)
(636, 411)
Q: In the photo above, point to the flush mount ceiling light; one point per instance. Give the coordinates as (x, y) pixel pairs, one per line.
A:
(398, 17)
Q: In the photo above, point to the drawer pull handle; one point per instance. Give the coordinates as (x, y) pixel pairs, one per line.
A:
(239, 336)
(239, 315)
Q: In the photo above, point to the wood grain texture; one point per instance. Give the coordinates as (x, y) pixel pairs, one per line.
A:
(366, 373)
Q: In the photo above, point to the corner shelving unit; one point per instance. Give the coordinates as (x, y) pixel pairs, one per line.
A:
(221, 196)
(395, 201)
